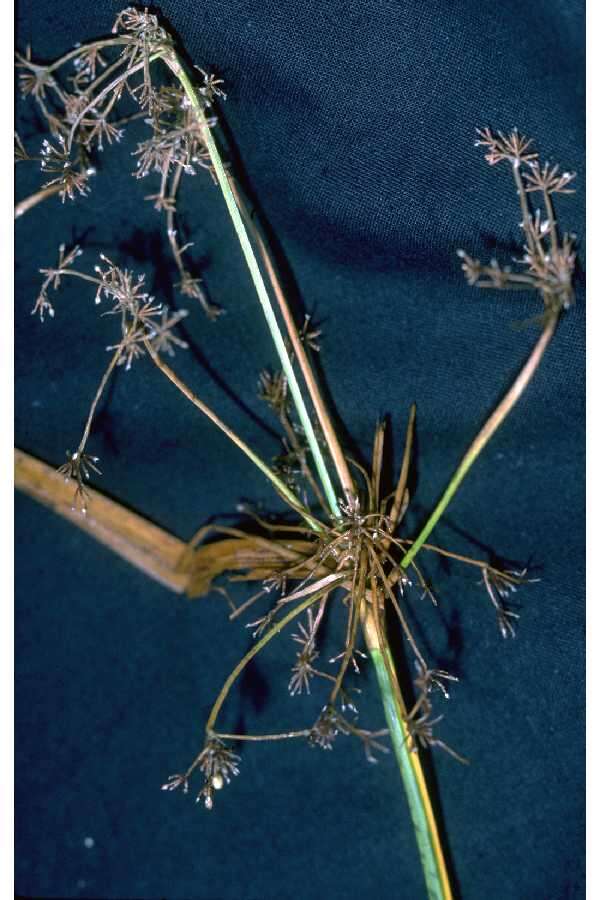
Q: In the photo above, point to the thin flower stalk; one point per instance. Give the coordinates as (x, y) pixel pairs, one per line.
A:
(263, 296)
(262, 642)
(490, 427)
(29, 202)
(280, 486)
(549, 270)
(282, 736)
(109, 370)
(79, 463)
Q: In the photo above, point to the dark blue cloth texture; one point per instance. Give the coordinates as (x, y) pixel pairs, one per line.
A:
(352, 125)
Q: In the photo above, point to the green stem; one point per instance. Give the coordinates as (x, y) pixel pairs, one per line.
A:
(329, 433)
(259, 284)
(492, 424)
(409, 764)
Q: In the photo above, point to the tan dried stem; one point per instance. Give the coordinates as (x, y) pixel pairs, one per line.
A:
(33, 199)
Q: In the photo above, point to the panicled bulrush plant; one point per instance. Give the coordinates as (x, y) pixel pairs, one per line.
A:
(348, 544)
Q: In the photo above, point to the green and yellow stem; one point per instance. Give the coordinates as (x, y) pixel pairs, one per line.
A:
(492, 424)
(415, 786)
(240, 229)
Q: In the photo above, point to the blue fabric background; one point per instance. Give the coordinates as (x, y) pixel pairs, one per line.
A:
(354, 125)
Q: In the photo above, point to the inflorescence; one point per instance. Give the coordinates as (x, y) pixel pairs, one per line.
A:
(356, 560)
(547, 263)
(89, 97)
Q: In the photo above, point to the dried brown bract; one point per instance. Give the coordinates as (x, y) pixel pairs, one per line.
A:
(303, 669)
(77, 468)
(53, 277)
(210, 88)
(69, 180)
(325, 730)
(512, 147)
(218, 765)
(500, 586)
(548, 179)
(356, 562)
